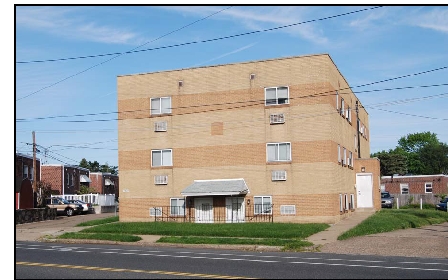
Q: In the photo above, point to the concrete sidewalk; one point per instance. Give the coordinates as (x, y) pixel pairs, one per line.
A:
(331, 234)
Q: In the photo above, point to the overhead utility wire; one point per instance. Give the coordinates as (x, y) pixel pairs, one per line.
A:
(230, 103)
(117, 55)
(203, 41)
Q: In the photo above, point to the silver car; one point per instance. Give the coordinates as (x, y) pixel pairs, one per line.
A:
(87, 207)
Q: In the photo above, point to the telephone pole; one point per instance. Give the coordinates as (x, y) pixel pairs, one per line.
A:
(34, 163)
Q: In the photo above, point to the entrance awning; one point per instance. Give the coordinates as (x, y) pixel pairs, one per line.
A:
(108, 182)
(84, 179)
(216, 187)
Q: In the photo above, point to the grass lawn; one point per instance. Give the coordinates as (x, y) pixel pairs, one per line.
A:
(289, 236)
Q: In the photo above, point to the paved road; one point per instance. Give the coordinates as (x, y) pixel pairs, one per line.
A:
(429, 241)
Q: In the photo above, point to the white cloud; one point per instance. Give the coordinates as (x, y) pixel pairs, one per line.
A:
(65, 22)
(226, 54)
(364, 21)
(437, 19)
(259, 18)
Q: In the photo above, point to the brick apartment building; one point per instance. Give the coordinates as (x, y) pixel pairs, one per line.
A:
(415, 184)
(105, 183)
(64, 179)
(280, 138)
(24, 176)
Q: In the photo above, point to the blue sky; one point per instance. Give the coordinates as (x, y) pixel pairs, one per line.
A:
(71, 104)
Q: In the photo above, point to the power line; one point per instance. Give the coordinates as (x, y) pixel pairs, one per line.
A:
(238, 102)
(203, 41)
(118, 55)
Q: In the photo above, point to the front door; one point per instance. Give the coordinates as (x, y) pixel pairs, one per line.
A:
(203, 210)
(235, 211)
(364, 188)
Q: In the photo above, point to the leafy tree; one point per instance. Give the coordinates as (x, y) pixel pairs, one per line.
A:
(43, 191)
(83, 189)
(96, 167)
(413, 142)
(391, 162)
(434, 158)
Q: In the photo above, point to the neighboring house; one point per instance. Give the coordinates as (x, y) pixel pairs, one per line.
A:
(105, 183)
(281, 138)
(24, 176)
(415, 184)
(64, 179)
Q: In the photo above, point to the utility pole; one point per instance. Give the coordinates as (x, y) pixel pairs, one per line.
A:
(357, 128)
(34, 163)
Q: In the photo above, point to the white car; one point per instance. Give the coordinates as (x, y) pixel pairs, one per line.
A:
(87, 207)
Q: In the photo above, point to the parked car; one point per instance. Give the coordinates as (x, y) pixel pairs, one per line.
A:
(63, 206)
(87, 207)
(442, 204)
(387, 201)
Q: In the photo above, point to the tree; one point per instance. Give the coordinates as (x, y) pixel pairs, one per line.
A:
(83, 189)
(412, 144)
(434, 158)
(43, 191)
(96, 167)
(391, 162)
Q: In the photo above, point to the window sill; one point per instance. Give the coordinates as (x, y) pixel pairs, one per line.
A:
(276, 105)
(278, 162)
(161, 167)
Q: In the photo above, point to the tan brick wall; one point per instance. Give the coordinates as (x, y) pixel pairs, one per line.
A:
(219, 127)
(371, 165)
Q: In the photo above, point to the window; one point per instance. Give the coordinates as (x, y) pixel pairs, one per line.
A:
(287, 209)
(31, 173)
(155, 211)
(262, 205)
(25, 171)
(337, 100)
(342, 112)
(346, 207)
(160, 126)
(404, 188)
(352, 201)
(278, 175)
(356, 143)
(339, 153)
(277, 118)
(160, 105)
(162, 157)
(428, 187)
(279, 151)
(349, 114)
(350, 159)
(177, 206)
(383, 187)
(276, 95)
(341, 203)
(344, 158)
(161, 179)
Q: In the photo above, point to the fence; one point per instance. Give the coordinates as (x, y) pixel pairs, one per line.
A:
(233, 213)
(95, 199)
(406, 199)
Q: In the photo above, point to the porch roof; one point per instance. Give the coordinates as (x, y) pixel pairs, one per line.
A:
(216, 187)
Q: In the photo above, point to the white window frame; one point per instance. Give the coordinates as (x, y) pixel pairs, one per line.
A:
(160, 110)
(278, 175)
(342, 112)
(31, 174)
(341, 204)
(339, 153)
(347, 206)
(277, 118)
(277, 151)
(160, 179)
(263, 210)
(160, 126)
(177, 206)
(155, 211)
(426, 187)
(402, 186)
(287, 210)
(352, 201)
(350, 159)
(356, 143)
(344, 157)
(276, 96)
(161, 157)
(349, 114)
(337, 101)
(383, 187)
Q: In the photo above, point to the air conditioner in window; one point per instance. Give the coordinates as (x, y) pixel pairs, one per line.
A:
(161, 179)
(277, 118)
(279, 175)
(160, 126)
